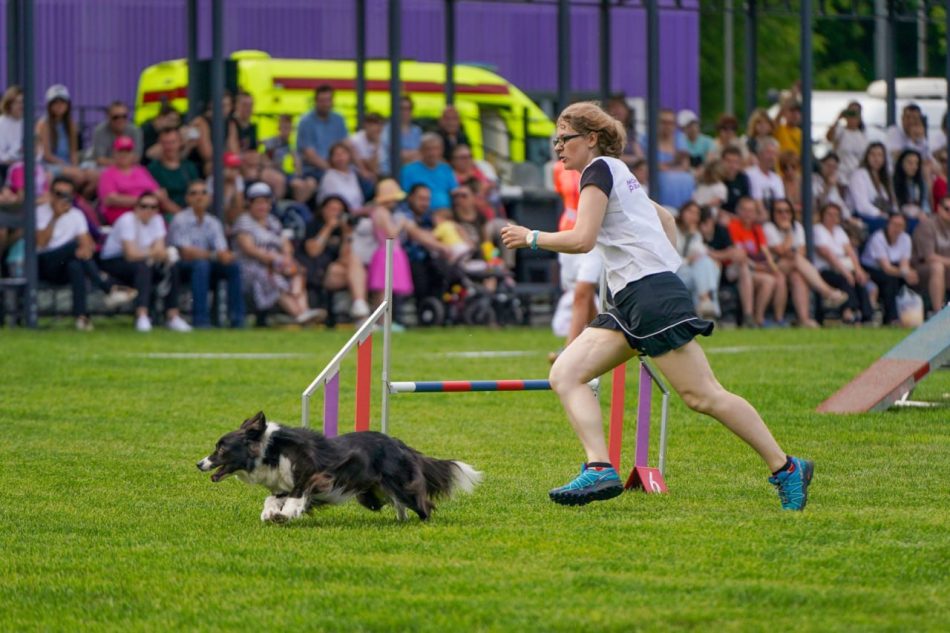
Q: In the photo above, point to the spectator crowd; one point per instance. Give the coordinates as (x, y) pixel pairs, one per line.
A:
(306, 213)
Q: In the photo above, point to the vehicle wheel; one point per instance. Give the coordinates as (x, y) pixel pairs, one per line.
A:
(431, 312)
(479, 311)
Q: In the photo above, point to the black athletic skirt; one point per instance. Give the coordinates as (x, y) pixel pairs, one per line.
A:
(655, 315)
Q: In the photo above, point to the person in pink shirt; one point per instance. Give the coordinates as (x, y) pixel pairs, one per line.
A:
(121, 184)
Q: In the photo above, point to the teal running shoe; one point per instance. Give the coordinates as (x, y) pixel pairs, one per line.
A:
(597, 482)
(792, 484)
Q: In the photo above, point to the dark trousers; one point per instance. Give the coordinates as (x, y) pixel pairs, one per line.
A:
(858, 300)
(144, 278)
(889, 286)
(60, 266)
(204, 276)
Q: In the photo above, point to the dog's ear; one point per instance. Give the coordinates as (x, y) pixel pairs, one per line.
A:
(254, 427)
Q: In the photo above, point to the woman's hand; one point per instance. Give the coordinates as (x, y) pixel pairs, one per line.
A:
(514, 236)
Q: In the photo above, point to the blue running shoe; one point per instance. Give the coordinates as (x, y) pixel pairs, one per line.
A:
(595, 483)
(792, 484)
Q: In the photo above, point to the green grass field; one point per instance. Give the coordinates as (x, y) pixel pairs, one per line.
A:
(107, 524)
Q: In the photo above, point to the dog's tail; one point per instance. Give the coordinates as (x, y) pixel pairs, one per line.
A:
(446, 477)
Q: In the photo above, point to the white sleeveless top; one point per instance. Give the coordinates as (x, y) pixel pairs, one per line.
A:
(631, 240)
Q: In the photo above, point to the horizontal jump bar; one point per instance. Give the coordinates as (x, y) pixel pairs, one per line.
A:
(461, 386)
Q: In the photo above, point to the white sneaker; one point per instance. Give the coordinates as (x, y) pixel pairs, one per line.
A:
(119, 295)
(313, 315)
(707, 309)
(143, 324)
(359, 309)
(178, 324)
(83, 324)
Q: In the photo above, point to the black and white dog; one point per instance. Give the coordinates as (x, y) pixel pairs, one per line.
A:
(303, 469)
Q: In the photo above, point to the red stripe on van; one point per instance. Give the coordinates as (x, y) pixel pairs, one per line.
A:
(378, 85)
(155, 96)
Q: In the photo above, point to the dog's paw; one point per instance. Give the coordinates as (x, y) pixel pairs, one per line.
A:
(274, 516)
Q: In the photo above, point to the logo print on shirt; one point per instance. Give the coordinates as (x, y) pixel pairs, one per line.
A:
(632, 184)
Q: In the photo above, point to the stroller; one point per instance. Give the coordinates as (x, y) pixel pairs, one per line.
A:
(472, 292)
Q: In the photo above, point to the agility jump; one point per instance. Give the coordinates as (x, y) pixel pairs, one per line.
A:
(641, 476)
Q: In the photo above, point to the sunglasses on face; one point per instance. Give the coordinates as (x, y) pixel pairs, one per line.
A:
(562, 140)
(116, 117)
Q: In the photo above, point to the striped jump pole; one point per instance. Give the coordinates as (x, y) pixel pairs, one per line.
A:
(466, 386)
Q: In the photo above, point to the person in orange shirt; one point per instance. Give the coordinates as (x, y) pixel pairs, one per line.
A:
(748, 235)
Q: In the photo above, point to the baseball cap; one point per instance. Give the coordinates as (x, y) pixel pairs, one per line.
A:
(231, 159)
(123, 144)
(685, 117)
(57, 91)
(259, 190)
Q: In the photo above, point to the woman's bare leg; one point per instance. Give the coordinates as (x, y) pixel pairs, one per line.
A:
(764, 284)
(780, 296)
(690, 375)
(583, 310)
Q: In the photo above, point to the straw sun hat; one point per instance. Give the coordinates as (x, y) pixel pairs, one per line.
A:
(388, 190)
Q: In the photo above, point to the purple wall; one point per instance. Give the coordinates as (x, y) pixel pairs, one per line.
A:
(97, 48)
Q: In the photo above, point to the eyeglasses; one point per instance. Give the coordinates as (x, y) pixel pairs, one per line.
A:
(148, 207)
(562, 140)
(116, 117)
(64, 195)
(198, 192)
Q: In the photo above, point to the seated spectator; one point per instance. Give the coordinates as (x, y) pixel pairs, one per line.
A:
(910, 189)
(66, 253)
(788, 126)
(736, 180)
(931, 254)
(135, 254)
(910, 134)
(11, 129)
(488, 198)
(641, 171)
(340, 178)
(786, 239)
(618, 108)
(826, 184)
(281, 156)
(123, 183)
(938, 190)
(789, 168)
(200, 127)
(317, 131)
(12, 191)
(367, 145)
(747, 234)
(58, 137)
(760, 126)
(675, 177)
(449, 127)
(887, 258)
(117, 124)
(167, 117)
(428, 271)
(699, 271)
(765, 185)
(731, 259)
(269, 271)
(410, 137)
(431, 171)
(171, 173)
(234, 185)
(697, 144)
(839, 266)
(872, 197)
(330, 262)
(451, 237)
(711, 191)
(246, 128)
(727, 135)
(849, 140)
(205, 256)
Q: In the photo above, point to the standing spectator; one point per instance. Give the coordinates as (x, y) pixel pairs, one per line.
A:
(317, 131)
(765, 185)
(887, 259)
(488, 197)
(246, 129)
(746, 233)
(281, 156)
(910, 189)
(123, 182)
(171, 173)
(872, 197)
(329, 259)
(269, 271)
(11, 129)
(449, 127)
(367, 146)
(938, 190)
(788, 126)
(205, 257)
(850, 141)
(618, 108)
(58, 137)
(727, 135)
(736, 180)
(699, 271)
(931, 254)
(432, 171)
(117, 124)
(340, 177)
(826, 184)
(711, 191)
(760, 126)
(410, 137)
(697, 144)
(910, 134)
(839, 266)
(65, 252)
(135, 253)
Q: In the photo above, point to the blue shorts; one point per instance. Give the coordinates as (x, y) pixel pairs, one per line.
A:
(655, 315)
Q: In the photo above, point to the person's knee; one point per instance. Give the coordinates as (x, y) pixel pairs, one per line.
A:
(702, 399)
(562, 377)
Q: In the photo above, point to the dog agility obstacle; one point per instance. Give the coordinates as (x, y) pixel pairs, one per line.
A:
(641, 476)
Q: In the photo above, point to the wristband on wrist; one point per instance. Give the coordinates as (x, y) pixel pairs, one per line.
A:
(534, 240)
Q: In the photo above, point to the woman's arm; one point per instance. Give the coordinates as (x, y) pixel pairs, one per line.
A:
(246, 243)
(592, 207)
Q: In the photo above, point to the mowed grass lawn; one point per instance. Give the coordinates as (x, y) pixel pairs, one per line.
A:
(107, 524)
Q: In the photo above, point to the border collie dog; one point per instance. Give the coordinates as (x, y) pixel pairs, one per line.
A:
(303, 469)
